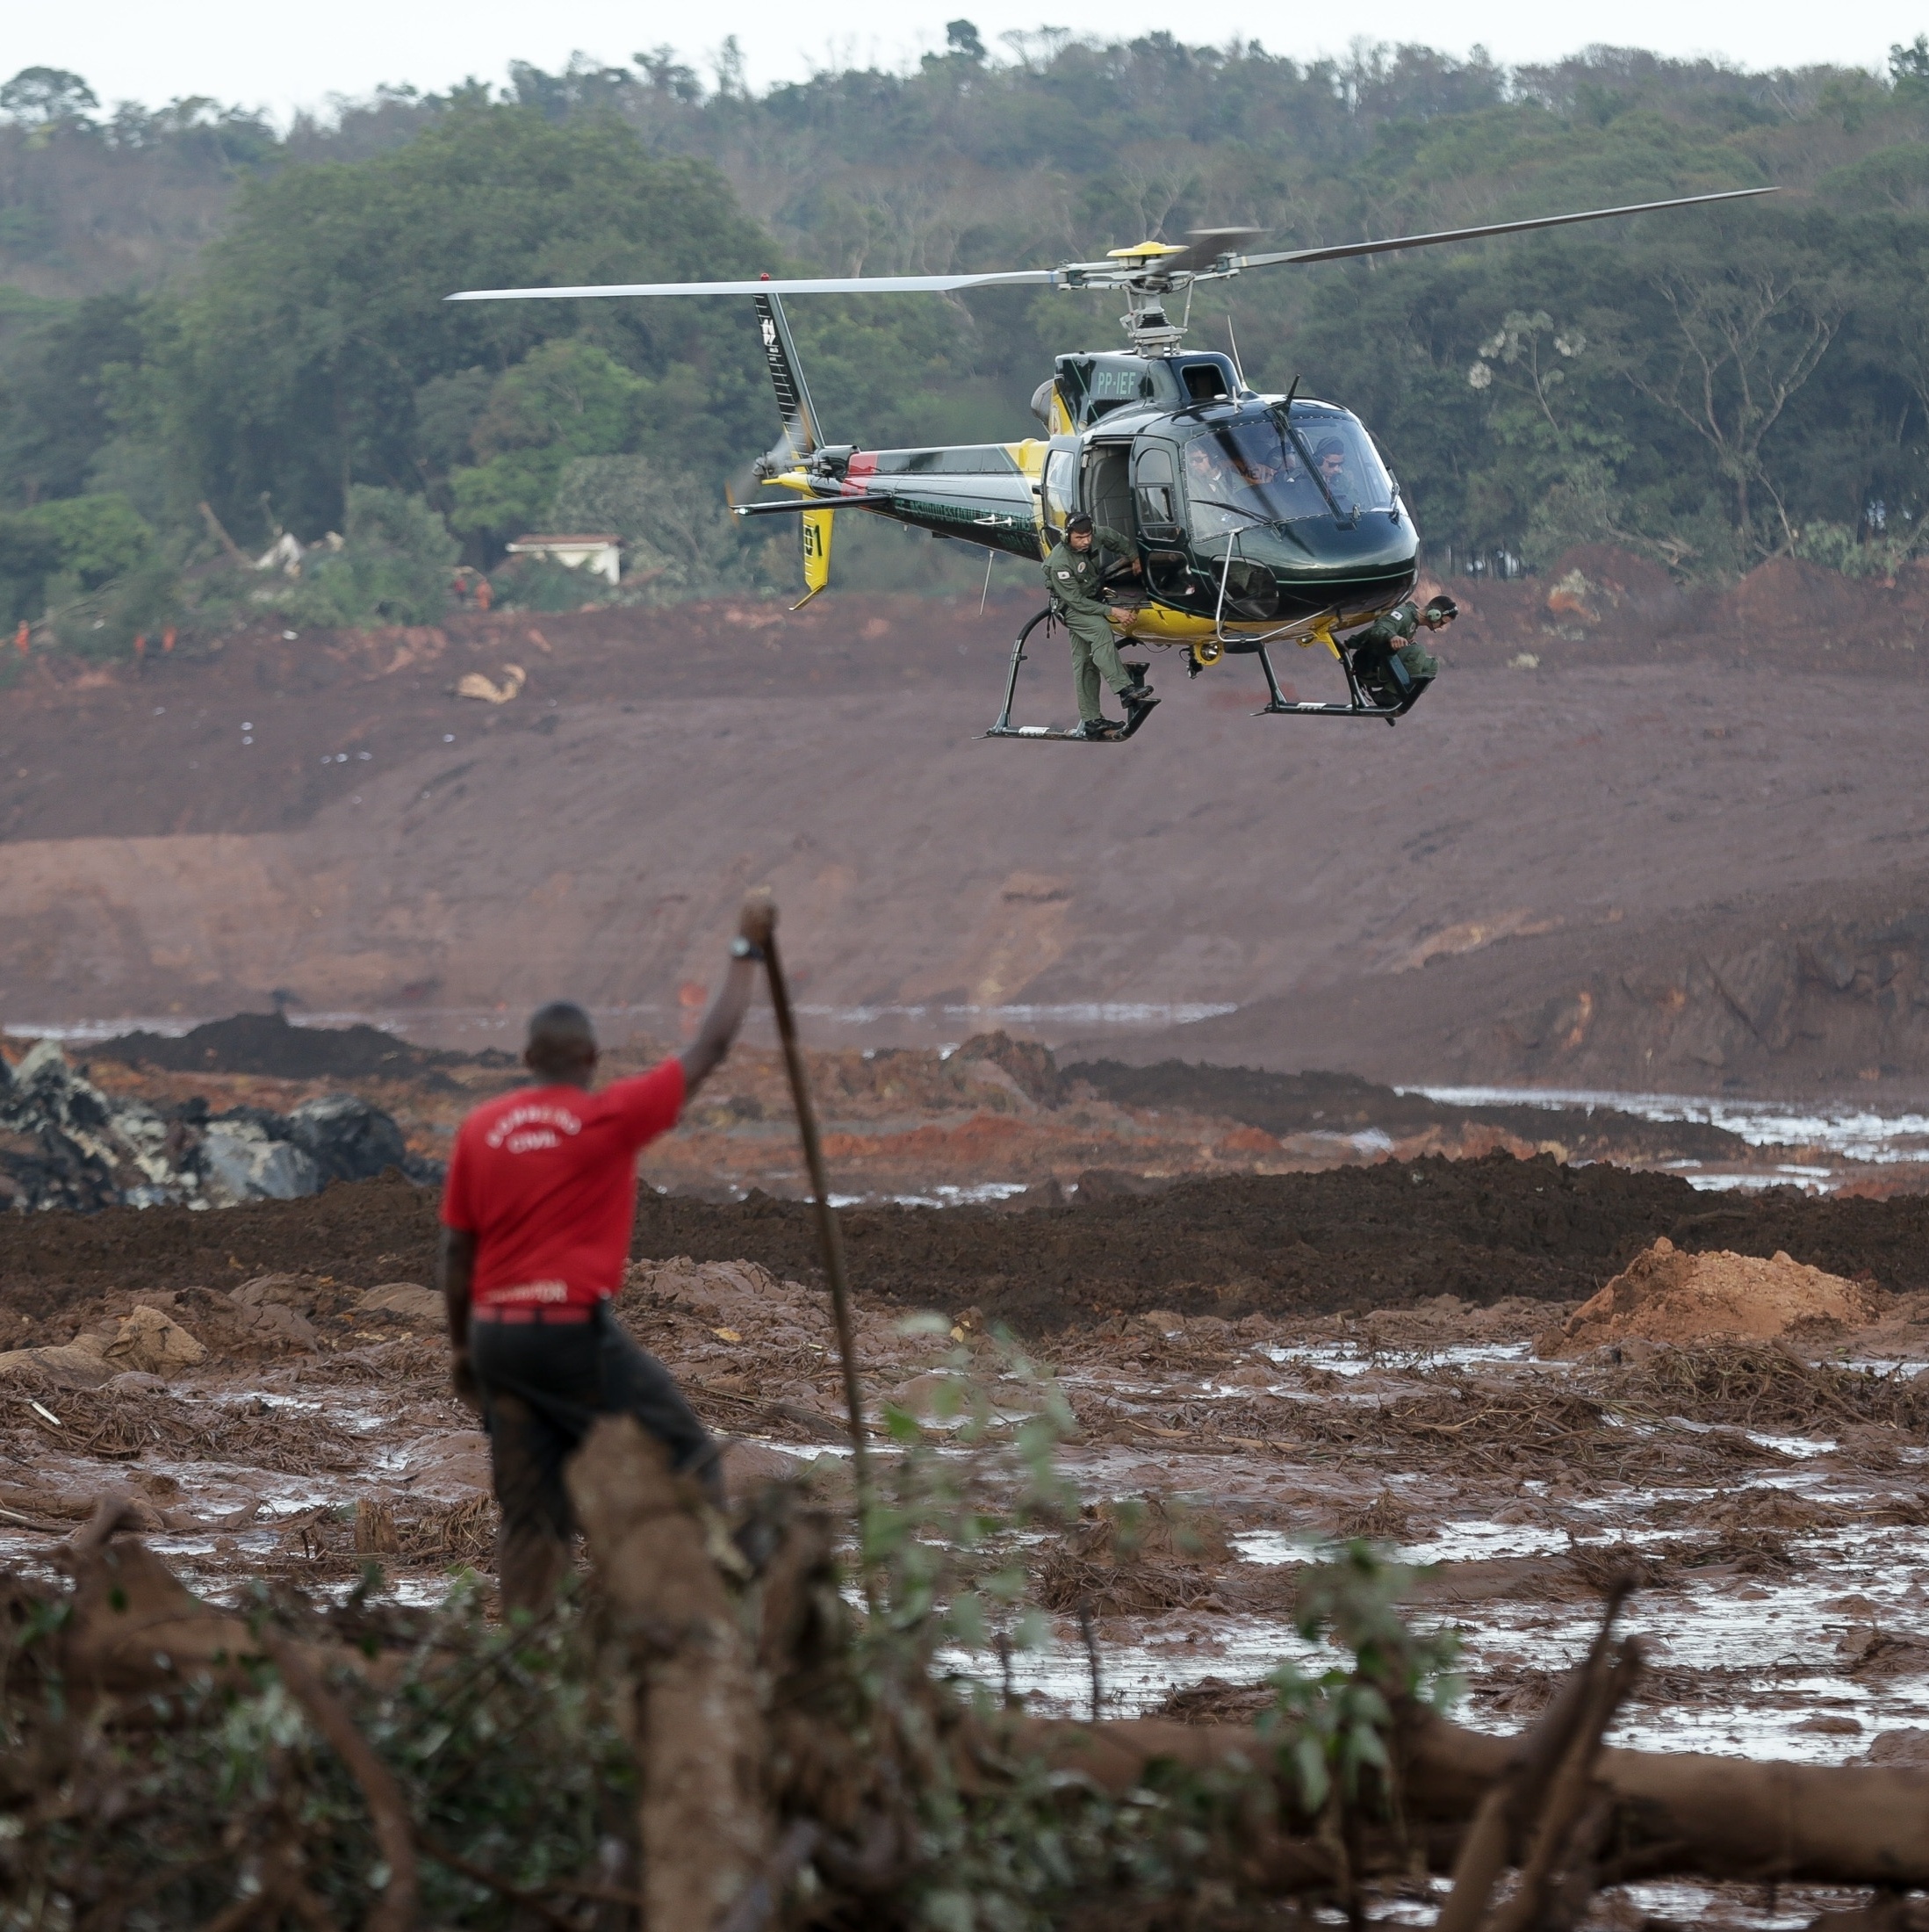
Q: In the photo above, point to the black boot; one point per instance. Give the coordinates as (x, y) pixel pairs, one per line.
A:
(1095, 728)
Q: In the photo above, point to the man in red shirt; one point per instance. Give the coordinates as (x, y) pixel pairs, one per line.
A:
(537, 1216)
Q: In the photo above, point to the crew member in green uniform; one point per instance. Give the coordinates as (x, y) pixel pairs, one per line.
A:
(1395, 635)
(1074, 574)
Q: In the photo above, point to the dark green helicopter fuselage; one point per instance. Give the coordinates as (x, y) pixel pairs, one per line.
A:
(1252, 516)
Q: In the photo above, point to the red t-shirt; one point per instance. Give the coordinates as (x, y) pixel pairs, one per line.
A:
(545, 1179)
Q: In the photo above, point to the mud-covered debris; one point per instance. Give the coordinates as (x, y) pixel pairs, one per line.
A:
(1029, 1065)
(1665, 1296)
(347, 1138)
(270, 1310)
(409, 1300)
(1900, 1747)
(152, 1342)
(735, 1295)
(145, 1342)
(65, 1143)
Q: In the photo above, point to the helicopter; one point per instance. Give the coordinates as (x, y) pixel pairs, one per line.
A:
(1254, 520)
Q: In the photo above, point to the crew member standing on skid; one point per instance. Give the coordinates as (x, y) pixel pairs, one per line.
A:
(1075, 574)
(537, 1216)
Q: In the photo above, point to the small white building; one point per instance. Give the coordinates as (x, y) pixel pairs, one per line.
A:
(601, 555)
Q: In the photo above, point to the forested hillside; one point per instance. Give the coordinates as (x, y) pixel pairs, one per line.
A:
(211, 332)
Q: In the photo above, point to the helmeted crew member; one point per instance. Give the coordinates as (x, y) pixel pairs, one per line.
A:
(1396, 632)
(1074, 574)
(537, 1216)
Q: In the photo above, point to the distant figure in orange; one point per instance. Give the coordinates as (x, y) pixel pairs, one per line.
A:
(484, 593)
(21, 637)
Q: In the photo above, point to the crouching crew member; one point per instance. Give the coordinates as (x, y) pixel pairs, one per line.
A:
(1395, 635)
(537, 1216)
(1075, 574)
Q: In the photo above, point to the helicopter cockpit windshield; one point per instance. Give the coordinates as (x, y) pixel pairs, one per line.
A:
(1263, 470)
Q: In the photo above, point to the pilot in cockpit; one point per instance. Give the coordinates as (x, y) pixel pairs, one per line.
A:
(1330, 456)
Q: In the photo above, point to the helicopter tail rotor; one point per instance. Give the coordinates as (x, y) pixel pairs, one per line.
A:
(800, 441)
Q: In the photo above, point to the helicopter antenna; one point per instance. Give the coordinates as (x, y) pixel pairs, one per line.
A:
(1239, 367)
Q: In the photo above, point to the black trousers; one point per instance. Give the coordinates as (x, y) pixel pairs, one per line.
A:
(543, 1386)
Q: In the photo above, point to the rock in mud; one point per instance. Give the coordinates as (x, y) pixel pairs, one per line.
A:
(1665, 1296)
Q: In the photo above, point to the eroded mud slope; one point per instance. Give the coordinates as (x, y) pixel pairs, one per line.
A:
(1681, 850)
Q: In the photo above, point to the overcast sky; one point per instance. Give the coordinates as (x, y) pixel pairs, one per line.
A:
(282, 58)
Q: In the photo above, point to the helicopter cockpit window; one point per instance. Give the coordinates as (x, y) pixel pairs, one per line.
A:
(1151, 479)
(1250, 475)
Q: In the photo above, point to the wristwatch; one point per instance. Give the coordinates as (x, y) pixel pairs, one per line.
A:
(743, 948)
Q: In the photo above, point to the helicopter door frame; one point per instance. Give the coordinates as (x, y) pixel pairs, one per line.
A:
(1108, 450)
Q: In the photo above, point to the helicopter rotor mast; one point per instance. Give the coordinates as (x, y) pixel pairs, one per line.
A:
(1147, 273)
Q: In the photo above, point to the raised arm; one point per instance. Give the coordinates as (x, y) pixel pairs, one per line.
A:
(705, 1054)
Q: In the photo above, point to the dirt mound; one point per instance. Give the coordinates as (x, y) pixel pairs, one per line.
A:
(1665, 1296)
(266, 1044)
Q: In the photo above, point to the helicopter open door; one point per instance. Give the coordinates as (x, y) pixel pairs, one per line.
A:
(1107, 493)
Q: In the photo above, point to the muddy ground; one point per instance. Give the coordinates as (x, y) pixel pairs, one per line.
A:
(1679, 850)
(1772, 1497)
(1268, 1359)
(1282, 1246)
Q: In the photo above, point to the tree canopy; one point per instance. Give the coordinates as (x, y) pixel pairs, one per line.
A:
(1710, 387)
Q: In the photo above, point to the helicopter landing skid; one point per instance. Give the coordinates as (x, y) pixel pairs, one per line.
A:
(1053, 733)
(1278, 704)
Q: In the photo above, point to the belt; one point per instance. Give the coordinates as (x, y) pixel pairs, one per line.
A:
(560, 1313)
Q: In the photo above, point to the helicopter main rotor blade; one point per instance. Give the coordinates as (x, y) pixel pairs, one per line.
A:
(843, 284)
(1498, 227)
(1205, 246)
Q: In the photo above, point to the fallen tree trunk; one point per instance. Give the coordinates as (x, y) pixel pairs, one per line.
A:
(1686, 1814)
(704, 1820)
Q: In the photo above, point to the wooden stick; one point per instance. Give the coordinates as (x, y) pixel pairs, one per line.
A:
(1607, 1686)
(830, 1241)
(1532, 1762)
